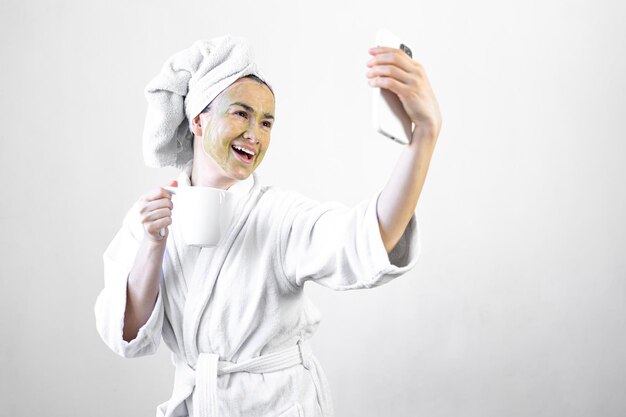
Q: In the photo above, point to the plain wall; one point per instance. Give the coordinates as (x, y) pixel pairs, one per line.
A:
(517, 306)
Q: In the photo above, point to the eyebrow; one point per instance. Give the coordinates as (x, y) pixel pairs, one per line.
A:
(251, 110)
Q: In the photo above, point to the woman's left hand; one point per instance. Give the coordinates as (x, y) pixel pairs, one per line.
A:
(394, 70)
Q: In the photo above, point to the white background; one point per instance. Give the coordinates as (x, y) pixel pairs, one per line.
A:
(518, 304)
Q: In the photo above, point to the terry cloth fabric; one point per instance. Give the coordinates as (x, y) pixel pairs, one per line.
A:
(245, 298)
(187, 83)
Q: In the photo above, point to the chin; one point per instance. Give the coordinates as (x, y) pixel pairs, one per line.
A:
(240, 176)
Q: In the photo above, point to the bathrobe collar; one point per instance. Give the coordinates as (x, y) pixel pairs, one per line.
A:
(240, 188)
(210, 260)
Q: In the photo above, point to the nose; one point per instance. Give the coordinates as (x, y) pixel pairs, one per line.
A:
(252, 133)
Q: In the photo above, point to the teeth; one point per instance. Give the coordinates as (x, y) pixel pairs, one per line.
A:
(243, 150)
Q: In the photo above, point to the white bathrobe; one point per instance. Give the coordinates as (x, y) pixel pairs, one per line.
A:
(219, 307)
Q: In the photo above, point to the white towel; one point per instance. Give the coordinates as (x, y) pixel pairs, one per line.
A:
(187, 83)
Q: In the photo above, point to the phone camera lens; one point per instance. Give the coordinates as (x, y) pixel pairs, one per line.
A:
(406, 50)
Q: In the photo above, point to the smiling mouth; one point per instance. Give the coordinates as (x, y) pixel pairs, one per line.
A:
(244, 155)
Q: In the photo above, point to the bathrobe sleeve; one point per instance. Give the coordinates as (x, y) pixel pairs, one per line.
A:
(341, 248)
(111, 302)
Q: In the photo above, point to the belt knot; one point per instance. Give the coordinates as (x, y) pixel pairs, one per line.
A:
(201, 383)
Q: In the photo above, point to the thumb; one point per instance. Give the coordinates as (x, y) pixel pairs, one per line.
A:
(173, 183)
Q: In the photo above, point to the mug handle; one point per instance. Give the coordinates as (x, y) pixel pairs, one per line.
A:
(172, 190)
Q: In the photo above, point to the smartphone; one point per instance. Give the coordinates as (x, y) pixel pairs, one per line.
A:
(389, 117)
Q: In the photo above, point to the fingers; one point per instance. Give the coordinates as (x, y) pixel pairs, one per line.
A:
(392, 62)
(157, 194)
(155, 210)
(393, 72)
(392, 56)
(150, 206)
(153, 228)
(157, 215)
(400, 89)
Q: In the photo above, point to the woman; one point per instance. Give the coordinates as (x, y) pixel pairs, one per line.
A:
(235, 316)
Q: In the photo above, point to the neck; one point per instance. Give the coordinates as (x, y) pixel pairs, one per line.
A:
(206, 173)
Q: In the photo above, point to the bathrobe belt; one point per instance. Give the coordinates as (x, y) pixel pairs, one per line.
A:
(202, 381)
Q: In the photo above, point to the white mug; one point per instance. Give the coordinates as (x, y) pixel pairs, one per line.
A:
(202, 213)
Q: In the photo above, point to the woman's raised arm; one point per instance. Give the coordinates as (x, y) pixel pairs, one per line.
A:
(392, 69)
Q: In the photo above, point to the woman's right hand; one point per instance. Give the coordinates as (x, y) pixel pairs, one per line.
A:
(155, 209)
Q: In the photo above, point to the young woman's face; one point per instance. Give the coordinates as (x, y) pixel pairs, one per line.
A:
(236, 130)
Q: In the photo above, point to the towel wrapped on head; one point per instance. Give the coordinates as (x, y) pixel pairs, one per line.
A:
(187, 83)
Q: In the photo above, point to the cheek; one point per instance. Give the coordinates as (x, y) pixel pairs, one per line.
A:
(266, 144)
(215, 141)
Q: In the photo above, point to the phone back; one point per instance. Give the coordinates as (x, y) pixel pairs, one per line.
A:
(389, 117)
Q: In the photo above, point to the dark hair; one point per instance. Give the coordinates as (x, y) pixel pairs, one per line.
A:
(251, 76)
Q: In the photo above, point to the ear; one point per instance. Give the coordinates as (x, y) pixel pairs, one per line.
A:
(197, 125)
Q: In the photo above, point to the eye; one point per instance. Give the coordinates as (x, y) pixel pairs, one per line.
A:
(242, 113)
(267, 124)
